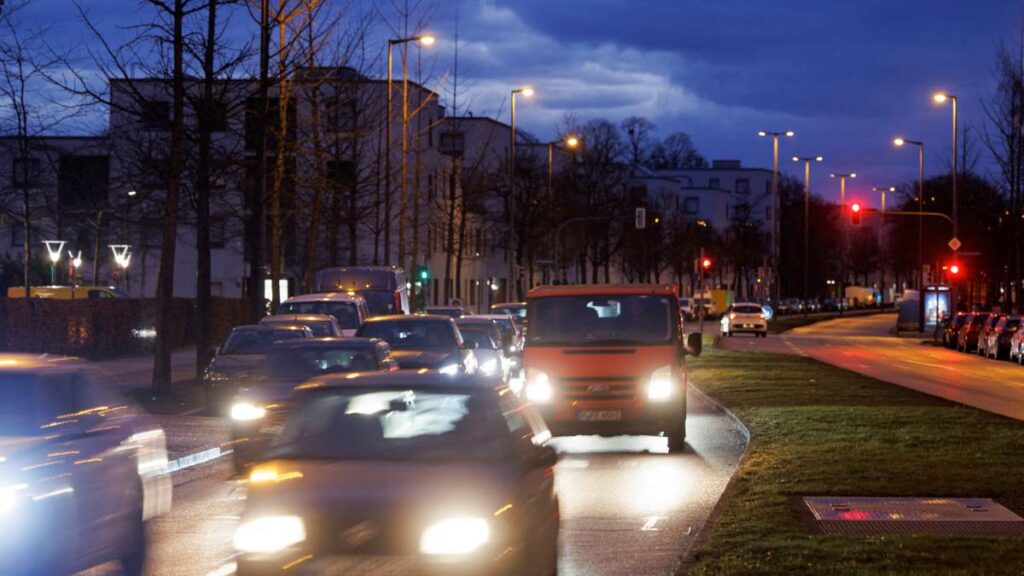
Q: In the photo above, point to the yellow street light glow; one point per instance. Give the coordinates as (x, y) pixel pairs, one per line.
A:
(427, 40)
(572, 141)
(940, 98)
(899, 141)
(527, 92)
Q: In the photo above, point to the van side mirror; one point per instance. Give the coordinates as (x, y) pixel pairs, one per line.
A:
(694, 343)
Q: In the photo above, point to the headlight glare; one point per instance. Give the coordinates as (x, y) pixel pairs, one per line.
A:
(450, 369)
(660, 385)
(215, 376)
(489, 367)
(455, 536)
(269, 534)
(538, 386)
(247, 411)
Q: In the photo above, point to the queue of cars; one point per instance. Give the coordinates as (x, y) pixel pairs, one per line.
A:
(988, 334)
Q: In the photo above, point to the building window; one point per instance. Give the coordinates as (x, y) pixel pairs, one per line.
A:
(341, 115)
(218, 231)
(742, 186)
(216, 115)
(714, 183)
(155, 115)
(742, 212)
(691, 206)
(767, 187)
(26, 172)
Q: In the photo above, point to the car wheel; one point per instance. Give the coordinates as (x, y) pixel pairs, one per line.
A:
(134, 562)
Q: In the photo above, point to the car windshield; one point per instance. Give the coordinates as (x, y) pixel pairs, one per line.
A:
(18, 405)
(411, 334)
(345, 312)
(374, 424)
(319, 328)
(292, 364)
(480, 335)
(602, 320)
(748, 310)
(517, 311)
(256, 341)
(380, 302)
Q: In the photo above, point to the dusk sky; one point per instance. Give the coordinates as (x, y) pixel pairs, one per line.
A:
(846, 76)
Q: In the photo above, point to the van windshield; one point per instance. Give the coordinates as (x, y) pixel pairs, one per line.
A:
(345, 312)
(613, 320)
(380, 302)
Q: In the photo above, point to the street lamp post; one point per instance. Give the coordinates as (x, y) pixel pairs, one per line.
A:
(939, 99)
(512, 284)
(54, 248)
(570, 142)
(807, 219)
(776, 250)
(842, 233)
(425, 41)
(881, 239)
(899, 142)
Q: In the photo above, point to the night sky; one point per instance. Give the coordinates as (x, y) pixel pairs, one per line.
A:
(847, 76)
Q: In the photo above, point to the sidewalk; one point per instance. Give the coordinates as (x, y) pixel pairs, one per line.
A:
(137, 371)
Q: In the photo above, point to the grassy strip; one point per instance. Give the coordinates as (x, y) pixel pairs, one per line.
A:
(781, 324)
(818, 431)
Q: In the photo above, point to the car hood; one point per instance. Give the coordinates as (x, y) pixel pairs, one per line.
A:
(269, 390)
(234, 364)
(415, 359)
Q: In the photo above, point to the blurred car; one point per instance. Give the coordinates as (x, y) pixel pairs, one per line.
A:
(983, 333)
(791, 306)
(967, 336)
(423, 342)
(455, 312)
(489, 352)
(745, 317)
(511, 336)
(830, 305)
(385, 289)
(686, 308)
(351, 310)
(243, 351)
(403, 473)
(81, 470)
(1017, 347)
(259, 408)
(321, 325)
(951, 329)
(1000, 338)
(516, 309)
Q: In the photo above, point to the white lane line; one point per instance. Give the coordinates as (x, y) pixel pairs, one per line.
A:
(649, 525)
(225, 570)
(195, 459)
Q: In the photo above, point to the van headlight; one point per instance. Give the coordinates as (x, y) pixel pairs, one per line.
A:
(538, 386)
(660, 386)
(247, 412)
(269, 534)
(489, 367)
(455, 536)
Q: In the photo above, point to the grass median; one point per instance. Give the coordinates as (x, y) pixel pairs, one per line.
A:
(818, 430)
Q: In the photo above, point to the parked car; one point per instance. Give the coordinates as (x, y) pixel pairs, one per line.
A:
(490, 354)
(82, 470)
(423, 342)
(67, 292)
(745, 317)
(999, 339)
(385, 288)
(1017, 347)
(967, 336)
(403, 473)
(240, 355)
(791, 306)
(455, 312)
(983, 333)
(951, 331)
(350, 310)
(259, 409)
(321, 325)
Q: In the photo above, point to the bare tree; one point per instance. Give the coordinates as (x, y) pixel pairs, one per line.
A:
(638, 135)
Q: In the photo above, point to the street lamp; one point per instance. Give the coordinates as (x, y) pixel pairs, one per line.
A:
(807, 218)
(881, 237)
(899, 142)
(512, 285)
(941, 98)
(54, 248)
(424, 40)
(842, 229)
(776, 236)
(572, 143)
(122, 258)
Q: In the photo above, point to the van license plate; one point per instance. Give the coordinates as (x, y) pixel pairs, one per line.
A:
(599, 415)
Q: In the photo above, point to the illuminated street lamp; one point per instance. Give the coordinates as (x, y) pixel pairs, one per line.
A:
(941, 98)
(842, 225)
(775, 250)
(571, 143)
(899, 142)
(807, 218)
(54, 248)
(76, 263)
(122, 258)
(512, 285)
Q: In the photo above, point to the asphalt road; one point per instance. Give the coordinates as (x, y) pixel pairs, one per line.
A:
(628, 507)
(864, 345)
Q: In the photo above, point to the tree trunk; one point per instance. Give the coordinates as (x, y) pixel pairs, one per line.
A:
(256, 225)
(204, 302)
(309, 266)
(449, 249)
(280, 165)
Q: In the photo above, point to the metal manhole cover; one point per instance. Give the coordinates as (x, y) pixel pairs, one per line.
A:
(952, 516)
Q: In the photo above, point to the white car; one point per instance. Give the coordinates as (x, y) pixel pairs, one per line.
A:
(349, 309)
(748, 317)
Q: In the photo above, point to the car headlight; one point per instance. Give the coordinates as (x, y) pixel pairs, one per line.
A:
(490, 367)
(449, 369)
(269, 534)
(732, 316)
(660, 385)
(247, 411)
(538, 386)
(455, 536)
(9, 498)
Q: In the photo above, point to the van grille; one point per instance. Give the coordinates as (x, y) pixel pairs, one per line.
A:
(598, 387)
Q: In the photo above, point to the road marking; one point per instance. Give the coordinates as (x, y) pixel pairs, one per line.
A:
(225, 570)
(649, 525)
(195, 459)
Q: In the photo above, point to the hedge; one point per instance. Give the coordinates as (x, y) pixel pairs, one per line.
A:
(103, 328)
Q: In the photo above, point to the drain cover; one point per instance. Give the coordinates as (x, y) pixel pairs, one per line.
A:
(953, 516)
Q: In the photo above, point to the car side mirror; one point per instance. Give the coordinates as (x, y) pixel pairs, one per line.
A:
(694, 343)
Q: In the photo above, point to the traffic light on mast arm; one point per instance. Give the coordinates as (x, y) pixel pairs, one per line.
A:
(855, 214)
(705, 267)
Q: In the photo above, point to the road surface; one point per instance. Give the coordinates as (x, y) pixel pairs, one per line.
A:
(864, 345)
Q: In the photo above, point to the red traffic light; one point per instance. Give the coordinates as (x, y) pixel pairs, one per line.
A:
(855, 214)
(706, 263)
(855, 207)
(954, 269)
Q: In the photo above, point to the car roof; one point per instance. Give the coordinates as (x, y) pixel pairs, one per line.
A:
(491, 317)
(299, 343)
(326, 297)
(408, 317)
(266, 328)
(746, 304)
(509, 304)
(399, 379)
(604, 290)
(444, 308)
(277, 318)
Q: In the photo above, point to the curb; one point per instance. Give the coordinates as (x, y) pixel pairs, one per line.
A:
(689, 560)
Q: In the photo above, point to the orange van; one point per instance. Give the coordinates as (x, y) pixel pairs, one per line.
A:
(608, 360)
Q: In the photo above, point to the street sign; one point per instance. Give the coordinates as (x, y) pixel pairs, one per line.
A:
(954, 244)
(641, 218)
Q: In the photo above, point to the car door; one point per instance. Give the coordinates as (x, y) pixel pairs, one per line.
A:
(535, 490)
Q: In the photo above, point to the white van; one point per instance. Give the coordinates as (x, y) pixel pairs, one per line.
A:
(349, 309)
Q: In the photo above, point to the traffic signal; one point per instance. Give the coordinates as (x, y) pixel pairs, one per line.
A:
(855, 214)
(954, 269)
(423, 274)
(706, 264)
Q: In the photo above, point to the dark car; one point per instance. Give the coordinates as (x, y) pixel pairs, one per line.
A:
(423, 342)
(983, 333)
(258, 409)
(492, 361)
(404, 473)
(81, 470)
(967, 335)
(243, 351)
(951, 329)
(1000, 338)
(455, 312)
(321, 325)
